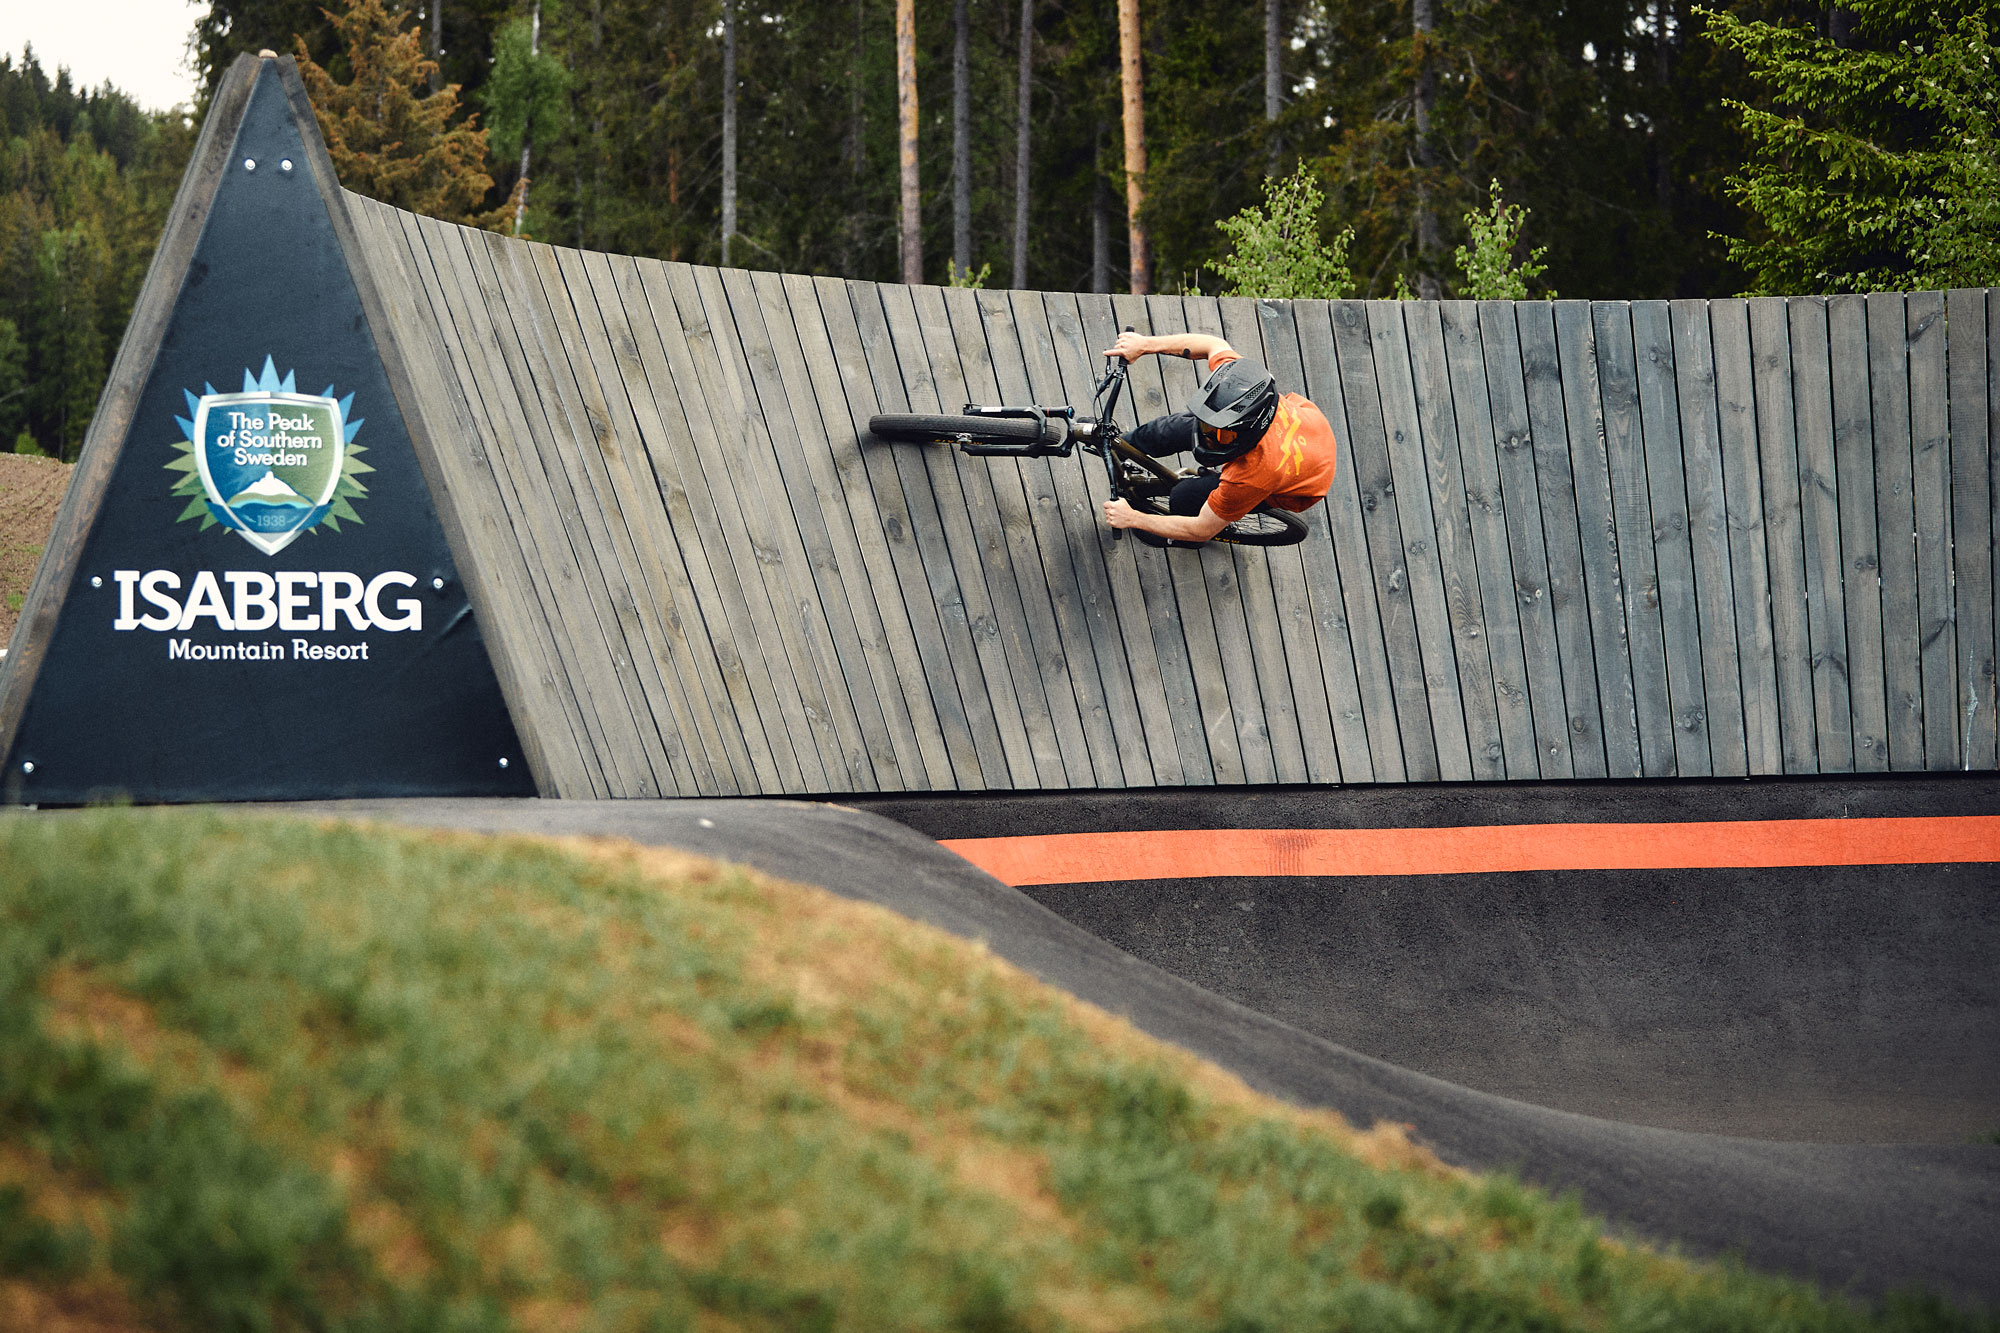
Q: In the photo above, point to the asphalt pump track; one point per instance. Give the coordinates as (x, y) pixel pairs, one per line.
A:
(1795, 1060)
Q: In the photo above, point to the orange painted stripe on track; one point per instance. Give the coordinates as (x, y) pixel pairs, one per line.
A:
(1095, 858)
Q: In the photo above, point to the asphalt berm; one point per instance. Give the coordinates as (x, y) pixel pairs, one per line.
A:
(1800, 1065)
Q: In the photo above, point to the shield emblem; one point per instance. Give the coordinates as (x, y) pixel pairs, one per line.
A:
(269, 461)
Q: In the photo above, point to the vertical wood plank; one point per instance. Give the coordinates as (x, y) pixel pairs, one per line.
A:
(1930, 493)
(1375, 487)
(1972, 528)
(1708, 535)
(1273, 585)
(1993, 448)
(1527, 573)
(1351, 644)
(1041, 659)
(1896, 528)
(1065, 524)
(907, 599)
(1784, 552)
(1819, 530)
(1743, 502)
(1597, 537)
(1860, 551)
(1673, 556)
(1321, 689)
(1632, 521)
(1140, 589)
(1443, 471)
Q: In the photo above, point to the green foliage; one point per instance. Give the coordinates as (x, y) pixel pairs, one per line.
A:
(1491, 271)
(527, 92)
(966, 277)
(312, 1076)
(1875, 161)
(1277, 251)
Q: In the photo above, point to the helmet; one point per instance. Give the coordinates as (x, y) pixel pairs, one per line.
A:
(1233, 411)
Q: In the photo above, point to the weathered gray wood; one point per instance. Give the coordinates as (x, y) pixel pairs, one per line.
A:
(1632, 528)
(1076, 687)
(1140, 592)
(1993, 445)
(1743, 503)
(555, 582)
(1237, 748)
(1972, 529)
(1375, 488)
(1490, 553)
(715, 619)
(914, 470)
(883, 467)
(1896, 526)
(542, 441)
(510, 616)
(565, 365)
(1708, 536)
(1273, 583)
(777, 375)
(1541, 372)
(1860, 553)
(1499, 374)
(832, 450)
(1319, 690)
(659, 574)
(1437, 435)
(1778, 459)
(1819, 526)
(918, 322)
(1597, 535)
(1930, 494)
(1673, 558)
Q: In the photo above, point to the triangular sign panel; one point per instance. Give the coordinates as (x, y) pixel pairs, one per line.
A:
(250, 595)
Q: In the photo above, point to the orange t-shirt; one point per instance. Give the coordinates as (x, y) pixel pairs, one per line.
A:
(1291, 467)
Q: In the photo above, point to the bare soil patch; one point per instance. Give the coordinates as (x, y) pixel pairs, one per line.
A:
(30, 490)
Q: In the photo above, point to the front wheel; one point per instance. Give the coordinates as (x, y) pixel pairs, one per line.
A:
(944, 428)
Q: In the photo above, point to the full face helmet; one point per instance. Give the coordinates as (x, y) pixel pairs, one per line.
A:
(1233, 411)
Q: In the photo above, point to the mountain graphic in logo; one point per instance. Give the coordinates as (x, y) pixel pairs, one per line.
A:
(269, 463)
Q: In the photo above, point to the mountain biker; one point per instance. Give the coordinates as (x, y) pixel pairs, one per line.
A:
(1252, 444)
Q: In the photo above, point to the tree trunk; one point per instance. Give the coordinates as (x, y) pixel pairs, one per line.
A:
(1134, 91)
(728, 127)
(437, 44)
(906, 107)
(528, 121)
(1430, 242)
(1273, 82)
(1022, 144)
(1100, 217)
(961, 141)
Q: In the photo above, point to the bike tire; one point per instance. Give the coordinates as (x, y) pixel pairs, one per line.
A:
(1265, 525)
(943, 428)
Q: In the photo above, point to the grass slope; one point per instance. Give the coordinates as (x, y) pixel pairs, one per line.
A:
(263, 1074)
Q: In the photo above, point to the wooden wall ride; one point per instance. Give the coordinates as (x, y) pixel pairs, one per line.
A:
(1579, 539)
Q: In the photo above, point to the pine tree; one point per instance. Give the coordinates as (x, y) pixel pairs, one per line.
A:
(389, 143)
(1877, 164)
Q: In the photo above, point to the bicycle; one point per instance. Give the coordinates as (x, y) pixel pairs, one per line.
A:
(1057, 432)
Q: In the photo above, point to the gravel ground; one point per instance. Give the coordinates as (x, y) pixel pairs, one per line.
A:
(30, 491)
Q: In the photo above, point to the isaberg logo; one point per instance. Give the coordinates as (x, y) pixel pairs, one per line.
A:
(269, 463)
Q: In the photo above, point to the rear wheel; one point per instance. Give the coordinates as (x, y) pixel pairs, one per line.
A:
(940, 428)
(1262, 526)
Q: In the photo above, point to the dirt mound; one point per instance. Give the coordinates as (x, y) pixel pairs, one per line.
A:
(30, 491)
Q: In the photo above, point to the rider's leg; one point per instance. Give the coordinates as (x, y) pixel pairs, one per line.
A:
(1170, 434)
(1190, 495)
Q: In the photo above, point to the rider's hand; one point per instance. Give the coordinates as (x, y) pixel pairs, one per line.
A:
(1119, 514)
(1130, 345)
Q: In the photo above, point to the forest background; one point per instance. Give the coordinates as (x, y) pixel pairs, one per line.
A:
(1617, 123)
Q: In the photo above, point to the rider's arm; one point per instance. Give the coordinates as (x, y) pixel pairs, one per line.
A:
(1194, 346)
(1176, 527)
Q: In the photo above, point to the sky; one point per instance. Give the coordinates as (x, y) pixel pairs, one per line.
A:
(140, 45)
